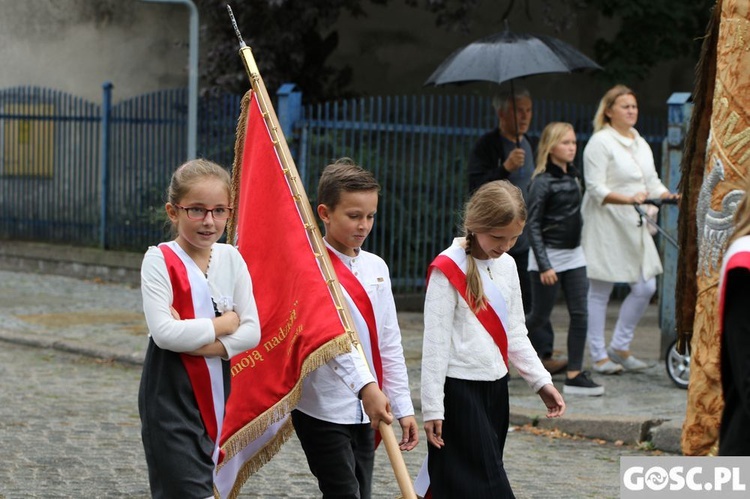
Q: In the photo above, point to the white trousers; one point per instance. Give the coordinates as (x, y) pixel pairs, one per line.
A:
(631, 311)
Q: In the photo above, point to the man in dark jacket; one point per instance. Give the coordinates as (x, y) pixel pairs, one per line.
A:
(506, 153)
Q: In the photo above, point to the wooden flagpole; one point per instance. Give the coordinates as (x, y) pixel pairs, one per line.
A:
(316, 241)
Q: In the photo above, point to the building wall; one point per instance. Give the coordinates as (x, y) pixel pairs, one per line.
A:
(76, 45)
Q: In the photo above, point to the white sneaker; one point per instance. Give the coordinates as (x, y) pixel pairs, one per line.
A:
(608, 367)
(630, 363)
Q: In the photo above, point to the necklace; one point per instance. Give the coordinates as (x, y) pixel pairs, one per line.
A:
(208, 263)
(489, 271)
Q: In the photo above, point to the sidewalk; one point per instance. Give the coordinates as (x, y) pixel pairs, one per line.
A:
(105, 321)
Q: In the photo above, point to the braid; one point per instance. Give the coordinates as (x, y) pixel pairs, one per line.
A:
(495, 204)
(469, 239)
(474, 289)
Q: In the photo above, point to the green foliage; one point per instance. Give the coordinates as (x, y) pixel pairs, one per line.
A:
(291, 40)
(141, 222)
(651, 31)
(646, 445)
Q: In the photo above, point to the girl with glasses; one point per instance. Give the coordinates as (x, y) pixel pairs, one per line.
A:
(199, 307)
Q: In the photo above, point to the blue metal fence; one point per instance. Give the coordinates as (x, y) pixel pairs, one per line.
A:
(81, 173)
(76, 172)
(49, 151)
(418, 149)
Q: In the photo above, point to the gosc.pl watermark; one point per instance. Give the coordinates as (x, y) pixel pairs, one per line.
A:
(684, 477)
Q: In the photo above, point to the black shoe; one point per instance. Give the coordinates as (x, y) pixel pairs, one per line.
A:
(582, 385)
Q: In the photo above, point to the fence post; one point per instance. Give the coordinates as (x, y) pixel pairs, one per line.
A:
(679, 109)
(107, 87)
(289, 108)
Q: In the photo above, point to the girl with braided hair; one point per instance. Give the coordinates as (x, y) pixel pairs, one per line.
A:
(474, 326)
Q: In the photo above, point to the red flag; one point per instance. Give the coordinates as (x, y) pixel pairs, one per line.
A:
(301, 328)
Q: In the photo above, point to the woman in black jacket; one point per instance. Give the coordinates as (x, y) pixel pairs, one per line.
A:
(556, 257)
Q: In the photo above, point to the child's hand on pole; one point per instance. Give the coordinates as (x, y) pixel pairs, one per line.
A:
(376, 405)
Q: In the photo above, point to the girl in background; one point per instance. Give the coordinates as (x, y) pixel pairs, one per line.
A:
(556, 256)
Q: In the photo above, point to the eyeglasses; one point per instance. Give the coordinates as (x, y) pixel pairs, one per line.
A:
(199, 213)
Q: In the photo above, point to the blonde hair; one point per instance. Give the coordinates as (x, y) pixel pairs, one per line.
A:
(742, 216)
(601, 118)
(495, 204)
(189, 174)
(552, 135)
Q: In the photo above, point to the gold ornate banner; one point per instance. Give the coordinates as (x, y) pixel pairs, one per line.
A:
(726, 163)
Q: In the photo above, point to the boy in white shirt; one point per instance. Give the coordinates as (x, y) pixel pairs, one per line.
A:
(342, 402)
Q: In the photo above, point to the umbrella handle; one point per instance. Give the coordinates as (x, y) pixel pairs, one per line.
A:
(515, 116)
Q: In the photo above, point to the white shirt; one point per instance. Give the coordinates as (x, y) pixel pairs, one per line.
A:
(561, 259)
(228, 279)
(456, 344)
(616, 248)
(331, 392)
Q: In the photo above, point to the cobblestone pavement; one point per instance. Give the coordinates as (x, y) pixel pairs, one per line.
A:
(69, 428)
(69, 424)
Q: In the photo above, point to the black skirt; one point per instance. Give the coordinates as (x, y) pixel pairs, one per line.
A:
(178, 448)
(470, 464)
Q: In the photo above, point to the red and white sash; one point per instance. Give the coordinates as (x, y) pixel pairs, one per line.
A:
(363, 316)
(192, 300)
(736, 256)
(452, 263)
(362, 313)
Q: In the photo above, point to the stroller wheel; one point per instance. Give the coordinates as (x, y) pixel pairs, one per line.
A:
(678, 365)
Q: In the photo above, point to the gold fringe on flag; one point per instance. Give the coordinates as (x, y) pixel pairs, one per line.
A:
(332, 348)
(319, 357)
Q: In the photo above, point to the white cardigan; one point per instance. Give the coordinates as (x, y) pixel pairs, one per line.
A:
(228, 280)
(456, 344)
(616, 248)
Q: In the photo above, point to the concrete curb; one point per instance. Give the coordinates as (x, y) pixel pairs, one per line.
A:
(70, 347)
(119, 267)
(663, 435)
(668, 436)
(82, 263)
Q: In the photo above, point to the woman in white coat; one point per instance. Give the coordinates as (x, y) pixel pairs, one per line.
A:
(619, 172)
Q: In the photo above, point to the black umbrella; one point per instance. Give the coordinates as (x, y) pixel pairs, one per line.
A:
(507, 55)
